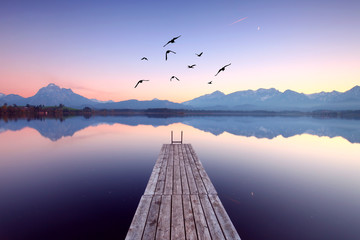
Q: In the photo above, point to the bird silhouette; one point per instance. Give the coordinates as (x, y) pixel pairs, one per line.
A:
(140, 81)
(173, 78)
(222, 69)
(172, 40)
(191, 66)
(167, 52)
(199, 55)
(144, 58)
(210, 82)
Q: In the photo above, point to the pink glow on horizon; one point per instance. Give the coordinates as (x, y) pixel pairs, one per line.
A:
(304, 73)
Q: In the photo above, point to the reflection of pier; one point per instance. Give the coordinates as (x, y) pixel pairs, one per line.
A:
(180, 202)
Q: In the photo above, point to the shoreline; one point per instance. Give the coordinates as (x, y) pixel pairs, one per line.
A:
(38, 112)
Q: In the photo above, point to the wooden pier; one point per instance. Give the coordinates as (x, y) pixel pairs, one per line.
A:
(180, 202)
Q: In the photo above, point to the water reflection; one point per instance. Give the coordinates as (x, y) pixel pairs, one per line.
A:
(87, 186)
(259, 127)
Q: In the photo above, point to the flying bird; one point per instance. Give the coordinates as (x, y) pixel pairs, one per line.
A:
(172, 40)
(167, 52)
(140, 81)
(199, 55)
(210, 82)
(191, 66)
(144, 58)
(173, 78)
(222, 69)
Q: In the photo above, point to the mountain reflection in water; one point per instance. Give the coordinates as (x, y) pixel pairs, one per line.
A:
(259, 127)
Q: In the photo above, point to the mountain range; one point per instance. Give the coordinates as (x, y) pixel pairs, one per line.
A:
(249, 100)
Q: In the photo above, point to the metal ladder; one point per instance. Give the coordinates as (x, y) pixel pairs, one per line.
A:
(172, 138)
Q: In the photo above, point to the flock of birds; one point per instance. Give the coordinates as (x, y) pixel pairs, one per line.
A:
(189, 66)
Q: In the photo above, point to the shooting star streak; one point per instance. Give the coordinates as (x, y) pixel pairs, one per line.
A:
(239, 20)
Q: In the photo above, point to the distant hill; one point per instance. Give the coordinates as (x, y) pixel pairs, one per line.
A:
(249, 100)
(274, 100)
(53, 95)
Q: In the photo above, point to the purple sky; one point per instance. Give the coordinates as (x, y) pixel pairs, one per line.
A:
(95, 47)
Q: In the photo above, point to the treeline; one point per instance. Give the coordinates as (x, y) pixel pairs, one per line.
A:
(350, 114)
(61, 111)
(40, 111)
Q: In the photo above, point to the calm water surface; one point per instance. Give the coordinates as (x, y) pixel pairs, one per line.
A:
(278, 178)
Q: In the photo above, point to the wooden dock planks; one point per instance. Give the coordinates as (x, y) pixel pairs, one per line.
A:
(180, 202)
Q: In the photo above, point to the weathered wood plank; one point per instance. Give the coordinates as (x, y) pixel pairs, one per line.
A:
(190, 229)
(214, 227)
(200, 221)
(169, 181)
(205, 178)
(152, 219)
(184, 179)
(162, 174)
(177, 189)
(224, 220)
(177, 219)
(151, 186)
(190, 176)
(180, 202)
(198, 180)
(138, 223)
(164, 227)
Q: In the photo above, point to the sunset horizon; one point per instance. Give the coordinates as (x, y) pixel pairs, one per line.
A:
(214, 119)
(149, 99)
(96, 49)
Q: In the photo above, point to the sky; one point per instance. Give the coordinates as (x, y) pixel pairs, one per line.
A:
(95, 47)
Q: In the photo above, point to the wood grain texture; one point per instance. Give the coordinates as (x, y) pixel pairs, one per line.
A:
(200, 220)
(150, 188)
(177, 218)
(190, 229)
(198, 180)
(164, 227)
(152, 219)
(184, 178)
(224, 220)
(189, 172)
(138, 223)
(206, 180)
(169, 180)
(180, 201)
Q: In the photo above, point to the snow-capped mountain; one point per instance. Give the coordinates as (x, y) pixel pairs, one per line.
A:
(249, 100)
(324, 96)
(212, 99)
(99, 101)
(53, 95)
(274, 100)
(2, 95)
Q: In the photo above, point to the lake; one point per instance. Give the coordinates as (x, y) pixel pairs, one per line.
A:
(277, 177)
